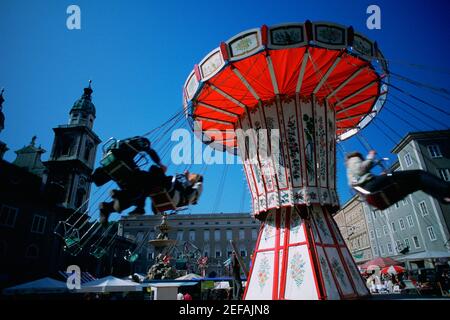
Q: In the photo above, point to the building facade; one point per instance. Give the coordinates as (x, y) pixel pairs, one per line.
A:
(415, 229)
(208, 234)
(353, 226)
(36, 195)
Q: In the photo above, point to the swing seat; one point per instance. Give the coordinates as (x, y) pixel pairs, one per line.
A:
(72, 240)
(161, 200)
(132, 258)
(98, 252)
(117, 169)
(379, 199)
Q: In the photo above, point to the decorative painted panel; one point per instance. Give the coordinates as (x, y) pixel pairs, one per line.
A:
(211, 64)
(268, 234)
(260, 286)
(330, 286)
(296, 232)
(354, 272)
(339, 271)
(244, 45)
(300, 280)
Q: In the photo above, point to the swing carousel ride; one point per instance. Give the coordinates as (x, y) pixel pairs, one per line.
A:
(314, 84)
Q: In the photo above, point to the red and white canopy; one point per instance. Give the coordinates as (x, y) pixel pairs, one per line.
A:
(393, 270)
(327, 60)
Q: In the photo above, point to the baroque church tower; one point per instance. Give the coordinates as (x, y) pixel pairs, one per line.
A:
(73, 153)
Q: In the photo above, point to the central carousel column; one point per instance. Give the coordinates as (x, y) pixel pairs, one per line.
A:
(300, 253)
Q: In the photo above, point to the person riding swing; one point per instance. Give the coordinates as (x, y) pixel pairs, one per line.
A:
(119, 165)
(185, 189)
(384, 190)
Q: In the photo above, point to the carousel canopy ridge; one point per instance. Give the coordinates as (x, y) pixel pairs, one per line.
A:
(260, 66)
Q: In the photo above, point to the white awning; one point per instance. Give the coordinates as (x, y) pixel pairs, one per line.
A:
(110, 284)
(169, 284)
(44, 285)
(425, 255)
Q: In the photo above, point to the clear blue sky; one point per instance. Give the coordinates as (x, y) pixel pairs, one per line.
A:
(139, 53)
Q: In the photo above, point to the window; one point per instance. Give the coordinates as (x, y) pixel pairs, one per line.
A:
(402, 224)
(229, 253)
(431, 233)
(206, 235)
(416, 242)
(434, 150)
(408, 160)
(397, 205)
(218, 253)
(87, 150)
(377, 231)
(206, 253)
(423, 208)
(191, 235)
(67, 143)
(217, 234)
(368, 217)
(180, 235)
(38, 225)
(254, 234)
(375, 250)
(241, 234)
(444, 174)
(229, 234)
(389, 248)
(32, 251)
(139, 236)
(393, 226)
(382, 250)
(407, 243)
(385, 230)
(79, 200)
(8, 216)
(410, 221)
(404, 202)
(372, 235)
(399, 245)
(374, 216)
(243, 253)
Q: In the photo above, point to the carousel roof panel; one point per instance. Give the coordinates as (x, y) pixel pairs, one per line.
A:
(251, 69)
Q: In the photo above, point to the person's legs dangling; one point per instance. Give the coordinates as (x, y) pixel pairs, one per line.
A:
(106, 208)
(140, 205)
(408, 182)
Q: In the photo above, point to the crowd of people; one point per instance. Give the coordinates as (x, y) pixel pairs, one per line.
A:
(425, 281)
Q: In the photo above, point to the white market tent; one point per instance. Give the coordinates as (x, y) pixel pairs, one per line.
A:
(222, 285)
(110, 284)
(189, 276)
(40, 286)
(426, 255)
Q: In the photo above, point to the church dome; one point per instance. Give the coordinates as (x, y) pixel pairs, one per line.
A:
(84, 104)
